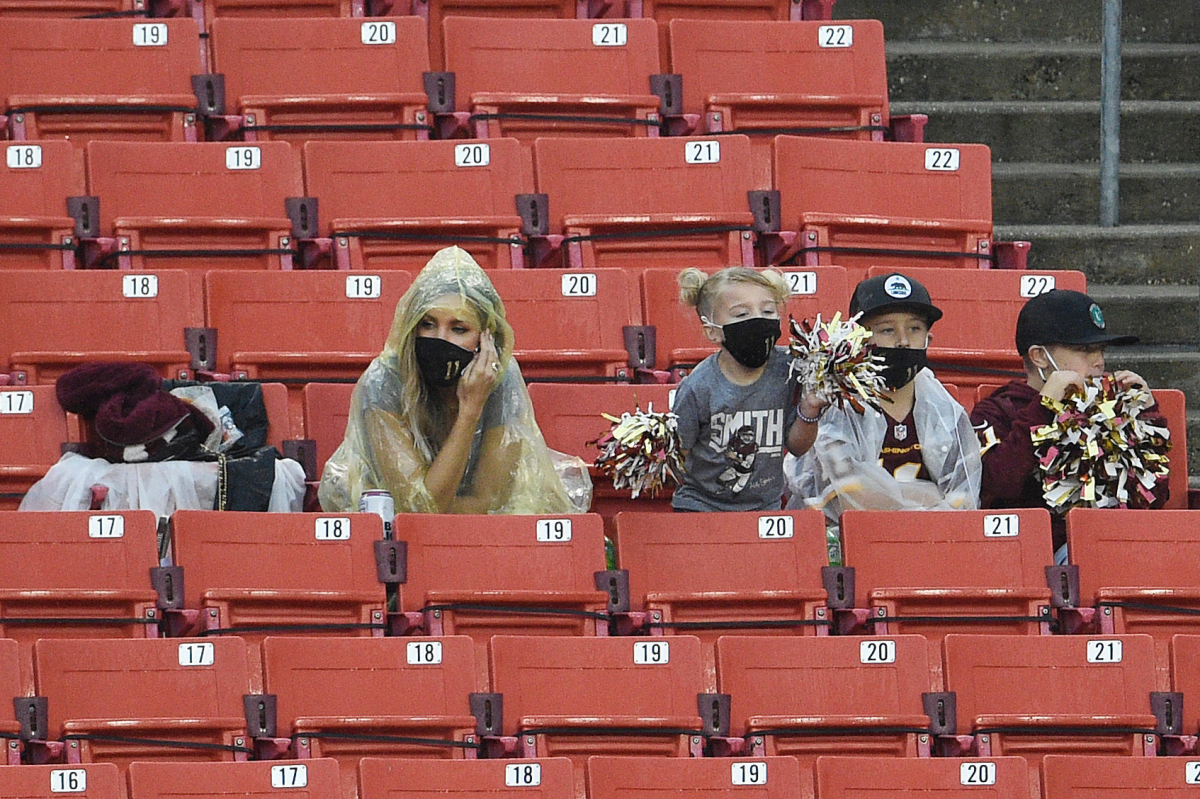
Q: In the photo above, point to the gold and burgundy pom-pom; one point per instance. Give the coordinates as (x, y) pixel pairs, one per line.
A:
(1099, 452)
(833, 361)
(641, 452)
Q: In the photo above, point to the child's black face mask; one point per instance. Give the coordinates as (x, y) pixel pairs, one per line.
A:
(750, 341)
(441, 362)
(901, 365)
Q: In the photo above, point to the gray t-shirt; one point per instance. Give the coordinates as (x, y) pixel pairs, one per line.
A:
(735, 436)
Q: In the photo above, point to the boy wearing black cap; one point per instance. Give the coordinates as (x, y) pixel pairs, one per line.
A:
(921, 452)
(1061, 336)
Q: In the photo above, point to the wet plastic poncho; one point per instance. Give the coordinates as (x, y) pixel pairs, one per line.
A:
(841, 471)
(389, 444)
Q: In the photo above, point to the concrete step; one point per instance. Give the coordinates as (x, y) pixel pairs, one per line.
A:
(1130, 254)
(1064, 132)
(1157, 314)
(924, 70)
(1025, 20)
(1031, 193)
(1193, 435)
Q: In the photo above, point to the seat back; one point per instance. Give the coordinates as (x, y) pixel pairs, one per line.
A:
(701, 778)
(1172, 405)
(905, 778)
(1068, 680)
(301, 324)
(439, 10)
(589, 309)
(204, 197)
(326, 409)
(317, 776)
(34, 187)
(417, 197)
(55, 320)
(1143, 549)
(11, 684)
(548, 778)
(130, 78)
(892, 196)
(85, 781)
(33, 427)
(351, 72)
(1184, 674)
(679, 338)
(615, 187)
(1080, 776)
(570, 414)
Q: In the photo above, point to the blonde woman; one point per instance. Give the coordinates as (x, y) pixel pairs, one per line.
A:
(442, 419)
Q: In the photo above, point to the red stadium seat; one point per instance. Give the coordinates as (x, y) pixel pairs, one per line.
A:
(292, 9)
(56, 320)
(767, 78)
(981, 308)
(11, 684)
(518, 575)
(1056, 694)
(219, 206)
(1184, 677)
(908, 778)
(326, 409)
(91, 781)
(680, 340)
(152, 699)
(965, 571)
(1140, 569)
(589, 312)
(1082, 777)
(550, 778)
(280, 424)
(664, 11)
(809, 696)
(302, 79)
(579, 697)
(127, 79)
(68, 9)
(252, 574)
(224, 780)
(863, 204)
(745, 573)
(37, 229)
(72, 574)
(393, 205)
(33, 427)
(349, 698)
(1171, 404)
(528, 78)
(649, 202)
(699, 778)
(298, 325)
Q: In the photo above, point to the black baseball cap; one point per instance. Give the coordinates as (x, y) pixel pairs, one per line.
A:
(1062, 316)
(891, 293)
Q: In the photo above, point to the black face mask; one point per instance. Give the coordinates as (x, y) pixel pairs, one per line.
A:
(750, 341)
(900, 365)
(440, 361)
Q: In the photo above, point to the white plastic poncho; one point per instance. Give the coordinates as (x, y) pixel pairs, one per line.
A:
(841, 471)
(385, 446)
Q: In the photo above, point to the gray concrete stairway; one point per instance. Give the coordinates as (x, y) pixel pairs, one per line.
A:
(1023, 76)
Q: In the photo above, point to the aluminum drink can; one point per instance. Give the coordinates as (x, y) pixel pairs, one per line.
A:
(380, 503)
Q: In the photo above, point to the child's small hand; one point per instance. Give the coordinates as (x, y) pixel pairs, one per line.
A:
(1127, 379)
(812, 406)
(1058, 383)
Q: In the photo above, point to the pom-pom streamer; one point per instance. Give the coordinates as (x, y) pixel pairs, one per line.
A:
(833, 362)
(1098, 452)
(641, 452)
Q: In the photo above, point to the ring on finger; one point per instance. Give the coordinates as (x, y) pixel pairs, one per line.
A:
(495, 367)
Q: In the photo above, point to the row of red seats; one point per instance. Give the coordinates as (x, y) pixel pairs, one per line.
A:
(836, 777)
(677, 201)
(348, 698)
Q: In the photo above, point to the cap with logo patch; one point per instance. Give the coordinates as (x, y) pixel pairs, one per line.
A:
(1062, 316)
(892, 293)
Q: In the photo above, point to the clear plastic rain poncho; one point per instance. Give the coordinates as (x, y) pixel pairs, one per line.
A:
(841, 471)
(392, 432)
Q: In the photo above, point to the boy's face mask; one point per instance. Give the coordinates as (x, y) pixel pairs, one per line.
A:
(1053, 363)
(750, 341)
(441, 362)
(901, 365)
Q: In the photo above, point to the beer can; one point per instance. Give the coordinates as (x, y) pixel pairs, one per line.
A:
(381, 504)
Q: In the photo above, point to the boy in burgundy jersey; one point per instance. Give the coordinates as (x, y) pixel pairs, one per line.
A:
(1061, 336)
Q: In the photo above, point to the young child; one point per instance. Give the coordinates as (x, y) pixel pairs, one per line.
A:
(737, 409)
(921, 452)
(1061, 336)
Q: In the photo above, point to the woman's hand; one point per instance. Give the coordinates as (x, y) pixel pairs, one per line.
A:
(479, 378)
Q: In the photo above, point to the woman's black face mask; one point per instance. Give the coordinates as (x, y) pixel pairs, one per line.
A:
(441, 362)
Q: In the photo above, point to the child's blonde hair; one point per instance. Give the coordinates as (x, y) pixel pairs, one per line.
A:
(700, 290)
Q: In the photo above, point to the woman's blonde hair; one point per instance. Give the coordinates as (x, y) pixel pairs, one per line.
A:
(700, 290)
